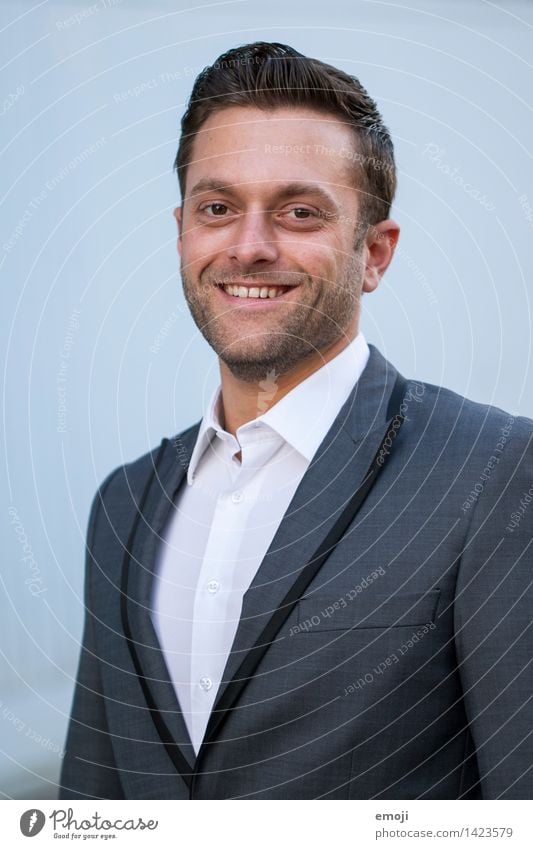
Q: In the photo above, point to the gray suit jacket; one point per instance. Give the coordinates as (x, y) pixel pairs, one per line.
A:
(402, 670)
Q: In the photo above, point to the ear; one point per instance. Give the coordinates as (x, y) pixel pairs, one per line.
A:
(381, 240)
(178, 215)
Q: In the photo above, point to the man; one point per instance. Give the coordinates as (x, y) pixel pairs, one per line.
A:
(319, 591)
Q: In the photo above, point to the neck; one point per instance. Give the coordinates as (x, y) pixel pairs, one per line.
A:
(241, 401)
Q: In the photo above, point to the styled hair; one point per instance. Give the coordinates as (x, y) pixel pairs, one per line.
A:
(269, 75)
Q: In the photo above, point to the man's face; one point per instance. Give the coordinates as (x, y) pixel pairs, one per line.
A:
(271, 210)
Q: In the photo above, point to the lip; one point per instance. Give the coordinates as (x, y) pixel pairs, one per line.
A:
(254, 303)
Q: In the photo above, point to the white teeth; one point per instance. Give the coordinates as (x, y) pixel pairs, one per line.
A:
(253, 292)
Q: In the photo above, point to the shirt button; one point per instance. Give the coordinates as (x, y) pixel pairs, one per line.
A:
(237, 496)
(213, 586)
(206, 683)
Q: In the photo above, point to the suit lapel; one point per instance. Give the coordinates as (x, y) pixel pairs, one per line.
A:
(166, 481)
(335, 473)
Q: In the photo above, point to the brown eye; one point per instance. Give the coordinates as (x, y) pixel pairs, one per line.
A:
(300, 209)
(217, 208)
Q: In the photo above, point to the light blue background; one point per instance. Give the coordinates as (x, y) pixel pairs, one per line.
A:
(89, 128)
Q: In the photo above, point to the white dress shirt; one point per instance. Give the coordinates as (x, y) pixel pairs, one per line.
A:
(225, 519)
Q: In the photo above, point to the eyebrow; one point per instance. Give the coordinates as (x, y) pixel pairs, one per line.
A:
(287, 190)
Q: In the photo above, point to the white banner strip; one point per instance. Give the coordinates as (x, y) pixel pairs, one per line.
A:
(267, 824)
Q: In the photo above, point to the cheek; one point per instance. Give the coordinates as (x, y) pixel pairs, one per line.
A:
(201, 248)
(320, 261)
(194, 255)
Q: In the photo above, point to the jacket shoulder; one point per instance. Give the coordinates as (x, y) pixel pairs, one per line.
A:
(442, 409)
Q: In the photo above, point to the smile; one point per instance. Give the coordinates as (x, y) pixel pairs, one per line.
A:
(254, 291)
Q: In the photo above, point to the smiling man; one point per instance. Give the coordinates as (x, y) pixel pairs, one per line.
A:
(273, 246)
(316, 591)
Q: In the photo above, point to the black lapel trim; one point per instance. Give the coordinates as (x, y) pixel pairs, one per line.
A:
(172, 748)
(397, 396)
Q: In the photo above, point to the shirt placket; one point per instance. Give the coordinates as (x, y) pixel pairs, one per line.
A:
(217, 603)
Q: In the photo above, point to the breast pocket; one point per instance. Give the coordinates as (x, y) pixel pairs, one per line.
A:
(340, 613)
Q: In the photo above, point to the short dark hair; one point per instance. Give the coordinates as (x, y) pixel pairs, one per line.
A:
(270, 75)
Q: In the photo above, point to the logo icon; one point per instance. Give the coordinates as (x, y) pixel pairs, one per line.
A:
(32, 822)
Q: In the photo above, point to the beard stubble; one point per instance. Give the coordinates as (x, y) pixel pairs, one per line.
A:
(304, 326)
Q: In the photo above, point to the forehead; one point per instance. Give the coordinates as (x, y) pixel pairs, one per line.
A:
(266, 147)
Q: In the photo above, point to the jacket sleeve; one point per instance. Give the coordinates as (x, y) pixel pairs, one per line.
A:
(494, 620)
(89, 770)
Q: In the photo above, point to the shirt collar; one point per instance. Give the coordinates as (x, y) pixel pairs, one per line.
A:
(305, 414)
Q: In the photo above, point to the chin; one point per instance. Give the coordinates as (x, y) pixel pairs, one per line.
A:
(249, 369)
(255, 366)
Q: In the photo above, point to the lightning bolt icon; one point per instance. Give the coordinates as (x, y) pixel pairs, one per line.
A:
(33, 820)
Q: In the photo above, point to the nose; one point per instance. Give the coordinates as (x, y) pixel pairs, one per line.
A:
(253, 240)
